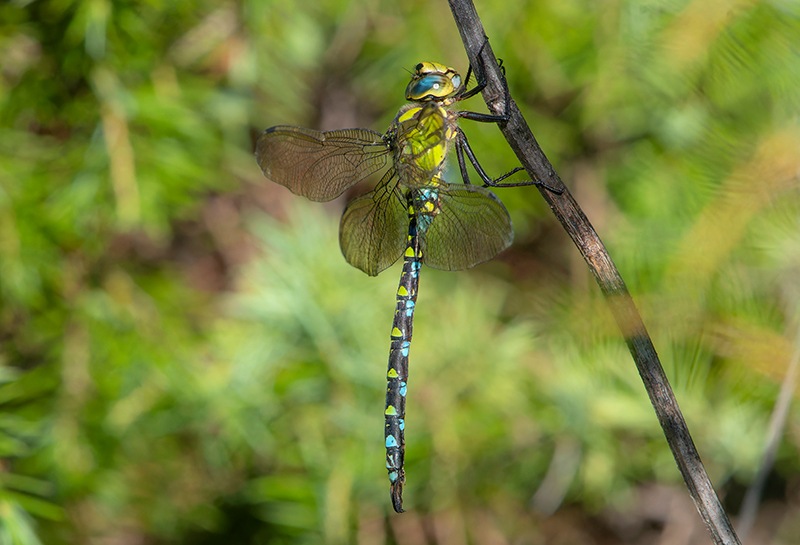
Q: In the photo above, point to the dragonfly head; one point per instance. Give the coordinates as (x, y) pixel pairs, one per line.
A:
(432, 81)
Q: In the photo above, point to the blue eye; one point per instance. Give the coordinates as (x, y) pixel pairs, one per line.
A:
(426, 84)
(428, 87)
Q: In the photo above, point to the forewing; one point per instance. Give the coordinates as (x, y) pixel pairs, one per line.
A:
(374, 227)
(320, 165)
(471, 226)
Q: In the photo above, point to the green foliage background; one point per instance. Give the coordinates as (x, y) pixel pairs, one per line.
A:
(186, 358)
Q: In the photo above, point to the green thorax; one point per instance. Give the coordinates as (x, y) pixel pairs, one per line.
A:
(423, 135)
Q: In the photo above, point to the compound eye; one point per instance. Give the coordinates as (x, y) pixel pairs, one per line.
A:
(433, 81)
(430, 86)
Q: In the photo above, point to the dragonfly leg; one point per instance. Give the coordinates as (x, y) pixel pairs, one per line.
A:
(483, 118)
(462, 164)
(480, 79)
(462, 144)
(463, 147)
(486, 118)
(480, 85)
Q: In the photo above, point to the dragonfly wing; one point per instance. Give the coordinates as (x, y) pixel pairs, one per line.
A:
(471, 226)
(374, 227)
(320, 165)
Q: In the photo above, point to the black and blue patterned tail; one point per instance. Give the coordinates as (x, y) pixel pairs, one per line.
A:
(397, 374)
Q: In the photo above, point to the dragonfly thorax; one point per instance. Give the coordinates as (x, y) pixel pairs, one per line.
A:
(423, 134)
(432, 81)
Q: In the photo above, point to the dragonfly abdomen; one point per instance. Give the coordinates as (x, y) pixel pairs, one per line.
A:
(397, 373)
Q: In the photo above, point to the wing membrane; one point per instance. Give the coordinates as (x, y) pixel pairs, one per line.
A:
(471, 226)
(374, 227)
(320, 165)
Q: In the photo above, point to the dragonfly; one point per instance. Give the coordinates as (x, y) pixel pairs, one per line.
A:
(412, 211)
